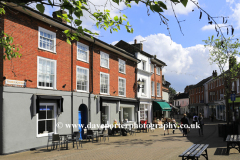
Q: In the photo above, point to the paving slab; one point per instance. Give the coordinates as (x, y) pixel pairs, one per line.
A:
(151, 145)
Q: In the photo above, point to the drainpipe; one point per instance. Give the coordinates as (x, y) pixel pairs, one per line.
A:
(72, 89)
(91, 69)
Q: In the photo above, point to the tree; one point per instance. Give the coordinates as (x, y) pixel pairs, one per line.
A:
(76, 9)
(222, 52)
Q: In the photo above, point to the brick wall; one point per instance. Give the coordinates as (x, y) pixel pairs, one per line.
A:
(24, 30)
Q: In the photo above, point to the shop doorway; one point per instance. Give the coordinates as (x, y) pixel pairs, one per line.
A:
(82, 119)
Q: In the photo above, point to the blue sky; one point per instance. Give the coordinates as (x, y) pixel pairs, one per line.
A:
(185, 56)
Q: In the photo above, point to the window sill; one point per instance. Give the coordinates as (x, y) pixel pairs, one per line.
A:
(105, 94)
(43, 49)
(122, 95)
(104, 67)
(79, 91)
(42, 135)
(46, 88)
(122, 72)
(158, 96)
(82, 60)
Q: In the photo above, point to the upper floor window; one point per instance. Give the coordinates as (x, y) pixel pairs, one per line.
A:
(143, 65)
(82, 52)
(104, 59)
(121, 86)
(104, 83)
(82, 79)
(121, 66)
(46, 73)
(158, 70)
(46, 39)
(158, 89)
(144, 87)
(152, 68)
(152, 85)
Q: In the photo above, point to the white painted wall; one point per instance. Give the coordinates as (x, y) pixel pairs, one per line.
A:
(165, 96)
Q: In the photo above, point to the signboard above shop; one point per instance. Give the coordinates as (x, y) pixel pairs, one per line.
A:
(16, 83)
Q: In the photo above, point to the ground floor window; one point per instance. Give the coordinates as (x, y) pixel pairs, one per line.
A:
(127, 113)
(105, 117)
(46, 119)
(143, 111)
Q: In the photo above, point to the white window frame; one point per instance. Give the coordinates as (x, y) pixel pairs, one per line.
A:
(122, 116)
(124, 86)
(87, 79)
(144, 65)
(48, 32)
(108, 83)
(145, 89)
(84, 45)
(55, 75)
(152, 88)
(145, 109)
(152, 68)
(101, 53)
(124, 65)
(158, 70)
(55, 113)
(159, 87)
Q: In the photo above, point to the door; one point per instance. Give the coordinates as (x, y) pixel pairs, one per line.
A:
(80, 122)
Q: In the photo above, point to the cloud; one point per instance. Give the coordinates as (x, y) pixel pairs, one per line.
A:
(230, 1)
(114, 42)
(179, 8)
(212, 27)
(236, 14)
(185, 66)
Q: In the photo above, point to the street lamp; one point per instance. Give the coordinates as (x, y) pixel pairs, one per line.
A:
(139, 82)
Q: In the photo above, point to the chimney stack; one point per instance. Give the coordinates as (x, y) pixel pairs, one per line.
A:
(135, 41)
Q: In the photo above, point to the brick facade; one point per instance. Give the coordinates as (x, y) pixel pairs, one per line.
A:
(24, 30)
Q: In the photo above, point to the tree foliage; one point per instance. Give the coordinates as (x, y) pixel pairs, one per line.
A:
(77, 9)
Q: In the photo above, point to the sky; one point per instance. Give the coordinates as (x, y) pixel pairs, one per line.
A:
(184, 53)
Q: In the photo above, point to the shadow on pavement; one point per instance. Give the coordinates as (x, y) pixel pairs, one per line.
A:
(210, 131)
(221, 151)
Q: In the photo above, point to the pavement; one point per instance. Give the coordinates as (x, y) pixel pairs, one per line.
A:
(151, 145)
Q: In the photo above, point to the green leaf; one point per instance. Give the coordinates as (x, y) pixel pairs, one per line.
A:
(40, 7)
(175, 1)
(78, 22)
(184, 2)
(162, 4)
(110, 30)
(107, 10)
(116, 18)
(68, 41)
(156, 8)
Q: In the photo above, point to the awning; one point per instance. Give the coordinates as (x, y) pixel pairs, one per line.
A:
(175, 107)
(59, 100)
(161, 106)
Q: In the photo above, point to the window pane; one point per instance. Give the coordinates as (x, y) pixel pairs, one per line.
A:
(41, 126)
(50, 125)
(42, 112)
(50, 112)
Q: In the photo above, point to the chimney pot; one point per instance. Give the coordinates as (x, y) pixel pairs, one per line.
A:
(135, 41)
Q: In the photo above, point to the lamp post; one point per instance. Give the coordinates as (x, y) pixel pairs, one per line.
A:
(139, 82)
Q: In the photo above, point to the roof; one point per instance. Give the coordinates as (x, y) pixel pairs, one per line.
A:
(131, 48)
(50, 20)
(181, 96)
(199, 84)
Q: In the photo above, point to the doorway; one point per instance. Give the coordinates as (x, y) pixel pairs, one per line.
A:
(82, 119)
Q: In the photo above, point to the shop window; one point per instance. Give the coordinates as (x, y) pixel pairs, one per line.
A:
(143, 112)
(46, 119)
(105, 118)
(128, 114)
